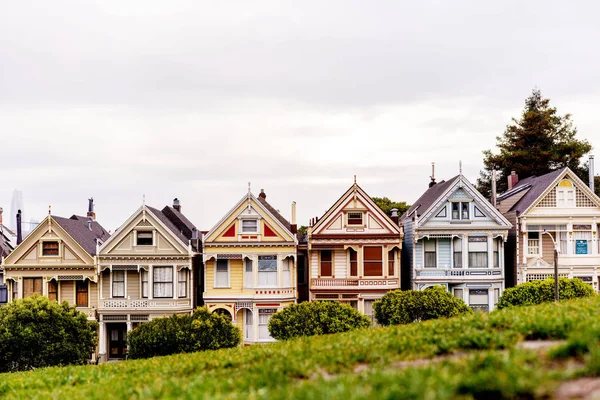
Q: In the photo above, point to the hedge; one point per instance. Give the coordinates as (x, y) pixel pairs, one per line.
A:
(36, 332)
(315, 318)
(403, 307)
(536, 292)
(200, 331)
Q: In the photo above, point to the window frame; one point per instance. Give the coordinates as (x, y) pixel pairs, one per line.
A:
(79, 284)
(144, 233)
(34, 280)
(46, 242)
(461, 208)
(113, 282)
(243, 229)
(425, 252)
(352, 262)
(54, 284)
(155, 282)
(182, 283)
(228, 284)
(355, 218)
(331, 274)
(145, 283)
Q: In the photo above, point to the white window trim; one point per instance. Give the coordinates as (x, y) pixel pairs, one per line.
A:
(111, 285)
(250, 219)
(363, 217)
(228, 276)
(41, 248)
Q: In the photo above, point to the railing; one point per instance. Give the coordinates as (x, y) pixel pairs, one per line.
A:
(457, 272)
(122, 304)
(374, 282)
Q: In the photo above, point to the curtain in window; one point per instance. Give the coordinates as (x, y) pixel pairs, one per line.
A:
(478, 255)
(163, 282)
(373, 260)
(353, 262)
(118, 284)
(248, 331)
(222, 273)
(562, 238)
(267, 270)
(287, 272)
(326, 263)
(182, 283)
(144, 283)
(430, 253)
(457, 243)
(31, 286)
(391, 258)
(248, 273)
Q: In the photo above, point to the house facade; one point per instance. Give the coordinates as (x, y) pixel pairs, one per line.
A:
(455, 238)
(557, 207)
(145, 270)
(250, 265)
(354, 252)
(57, 260)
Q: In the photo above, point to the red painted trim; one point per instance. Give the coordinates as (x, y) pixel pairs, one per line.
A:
(269, 232)
(268, 304)
(230, 232)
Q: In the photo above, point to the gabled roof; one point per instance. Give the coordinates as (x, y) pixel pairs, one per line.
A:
(275, 213)
(537, 185)
(77, 227)
(430, 196)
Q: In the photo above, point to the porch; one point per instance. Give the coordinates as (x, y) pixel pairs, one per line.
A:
(355, 283)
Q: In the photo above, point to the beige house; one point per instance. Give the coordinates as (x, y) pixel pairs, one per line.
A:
(57, 260)
(145, 271)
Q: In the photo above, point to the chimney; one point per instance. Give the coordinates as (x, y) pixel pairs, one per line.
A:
(395, 216)
(177, 204)
(513, 179)
(91, 214)
(432, 175)
(494, 187)
(294, 227)
(19, 229)
(591, 172)
(262, 194)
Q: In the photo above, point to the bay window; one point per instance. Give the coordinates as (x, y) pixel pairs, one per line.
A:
(533, 241)
(582, 240)
(478, 255)
(353, 262)
(264, 315)
(53, 290)
(222, 274)
(248, 272)
(81, 290)
(287, 272)
(267, 270)
(163, 282)
(391, 262)
(144, 276)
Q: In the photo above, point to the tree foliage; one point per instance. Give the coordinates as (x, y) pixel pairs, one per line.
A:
(386, 205)
(36, 332)
(315, 318)
(536, 292)
(406, 306)
(202, 330)
(539, 142)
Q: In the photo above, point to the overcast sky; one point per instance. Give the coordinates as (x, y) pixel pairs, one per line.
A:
(194, 99)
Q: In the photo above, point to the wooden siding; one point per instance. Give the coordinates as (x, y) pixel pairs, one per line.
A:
(444, 253)
(418, 254)
(67, 291)
(133, 285)
(93, 295)
(339, 264)
(105, 284)
(548, 248)
(314, 264)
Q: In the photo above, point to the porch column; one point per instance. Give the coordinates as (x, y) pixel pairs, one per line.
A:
(490, 250)
(570, 237)
(102, 342)
(465, 250)
(150, 281)
(100, 285)
(175, 279)
(45, 286)
(20, 288)
(129, 326)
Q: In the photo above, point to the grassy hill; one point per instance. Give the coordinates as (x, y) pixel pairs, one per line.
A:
(473, 356)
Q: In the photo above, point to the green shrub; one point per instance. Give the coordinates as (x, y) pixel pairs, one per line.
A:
(202, 330)
(315, 318)
(537, 292)
(403, 307)
(36, 332)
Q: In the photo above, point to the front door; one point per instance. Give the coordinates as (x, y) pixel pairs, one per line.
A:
(117, 340)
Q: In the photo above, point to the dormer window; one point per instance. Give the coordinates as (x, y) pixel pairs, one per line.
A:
(144, 239)
(50, 248)
(249, 226)
(460, 211)
(355, 218)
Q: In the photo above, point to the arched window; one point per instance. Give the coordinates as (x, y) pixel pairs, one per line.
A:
(565, 194)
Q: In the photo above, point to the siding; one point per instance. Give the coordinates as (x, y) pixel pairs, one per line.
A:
(314, 264)
(444, 253)
(236, 274)
(339, 264)
(105, 284)
(548, 248)
(67, 291)
(93, 296)
(418, 254)
(133, 285)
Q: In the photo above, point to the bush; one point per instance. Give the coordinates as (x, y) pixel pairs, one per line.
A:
(536, 292)
(403, 307)
(315, 318)
(36, 332)
(200, 331)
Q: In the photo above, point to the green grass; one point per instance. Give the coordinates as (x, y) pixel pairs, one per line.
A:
(357, 364)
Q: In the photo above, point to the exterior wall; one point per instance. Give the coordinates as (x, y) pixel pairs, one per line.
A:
(408, 249)
(67, 291)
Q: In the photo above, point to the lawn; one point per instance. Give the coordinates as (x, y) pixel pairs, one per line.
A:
(473, 356)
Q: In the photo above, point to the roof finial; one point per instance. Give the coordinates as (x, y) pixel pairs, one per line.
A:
(355, 179)
(144, 199)
(249, 188)
(49, 209)
(460, 167)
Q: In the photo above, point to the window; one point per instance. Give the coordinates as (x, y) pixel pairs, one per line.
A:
(267, 270)
(249, 226)
(118, 284)
(458, 263)
(353, 262)
(582, 242)
(248, 273)
(31, 286)
(479, 297)
(287, 272)
(326, 263)
(144, 238)
(460, 211)
(248, 334)
(478, 255)
(144, 275)
(533, 243)
(50, 248)
(81, 289)
(368, 304)
(391, 262)
(163, 282)
(264, 315)
(373, 260)
(495, 247)
(565, 194)
(355, 218)
(562, 238)
(182, 283)
(15, 290)
(430, 254)
(458, 293)
(222, 274)
(53, 290)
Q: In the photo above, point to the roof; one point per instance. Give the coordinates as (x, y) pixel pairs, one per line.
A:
(177, 231)
(537, 185)
(429, 197)
(77, 227)
(275, 213)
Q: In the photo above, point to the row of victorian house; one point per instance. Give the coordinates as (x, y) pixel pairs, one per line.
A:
(253, 262)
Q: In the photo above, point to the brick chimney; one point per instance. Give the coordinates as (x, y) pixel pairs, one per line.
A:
(513, 179)
(294, 227)
(177, 204)
(91, 214)
(19, 229)
(262, 194)
(395, 216)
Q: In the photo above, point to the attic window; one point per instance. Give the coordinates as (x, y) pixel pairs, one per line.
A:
(144, 238)
(249, 226)
(355, 218)
(50, 248)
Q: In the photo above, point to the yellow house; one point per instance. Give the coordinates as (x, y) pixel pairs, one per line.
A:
(57, 260)
(250, 265)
